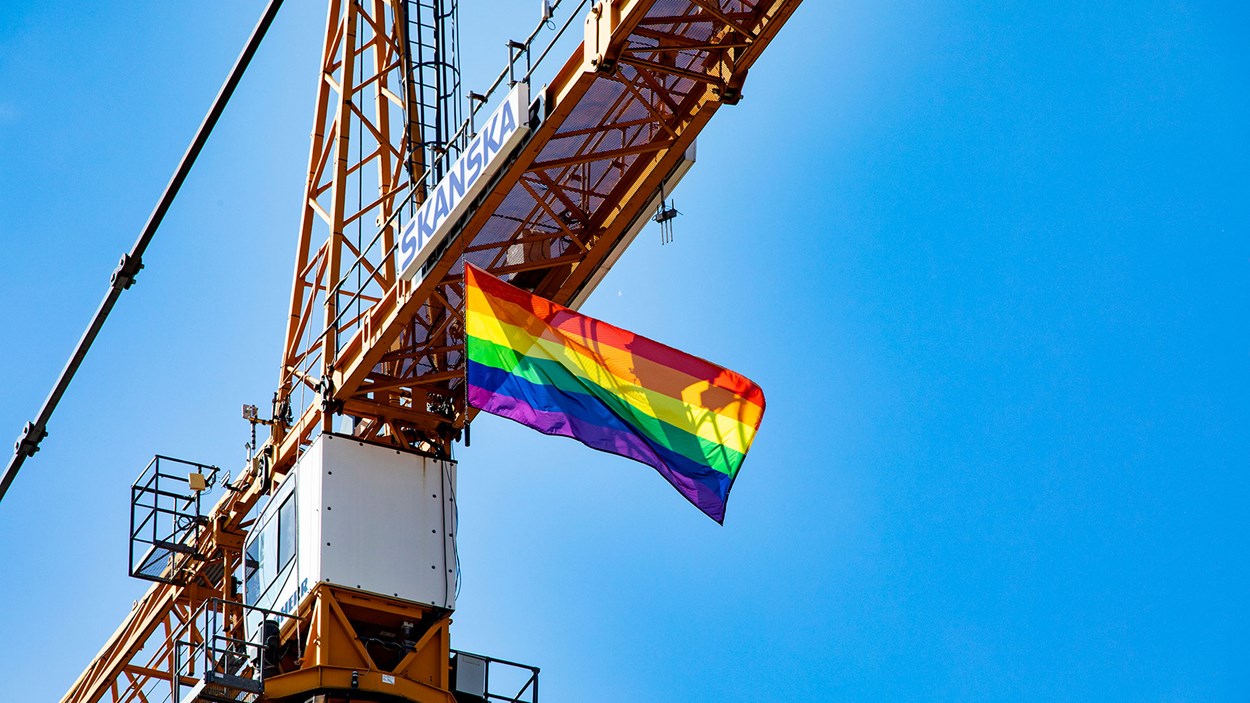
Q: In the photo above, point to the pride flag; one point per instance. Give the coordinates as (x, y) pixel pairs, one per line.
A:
(563, 373)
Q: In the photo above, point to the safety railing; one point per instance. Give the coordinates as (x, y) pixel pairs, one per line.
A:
(166, 516)
(215, 660)
(481, 679)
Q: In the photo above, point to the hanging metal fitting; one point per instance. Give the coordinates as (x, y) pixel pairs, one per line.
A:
(664, 216)
(28, 442)
(326, 388)
(127, 269)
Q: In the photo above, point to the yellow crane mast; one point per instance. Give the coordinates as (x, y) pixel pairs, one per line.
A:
(545, 192)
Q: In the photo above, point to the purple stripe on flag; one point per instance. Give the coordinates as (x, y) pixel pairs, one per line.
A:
(593, 425)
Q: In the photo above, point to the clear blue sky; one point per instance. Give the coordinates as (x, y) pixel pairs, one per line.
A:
(988, 260)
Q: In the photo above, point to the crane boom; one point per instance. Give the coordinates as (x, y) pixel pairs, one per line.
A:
(613, 131)
(612, 126)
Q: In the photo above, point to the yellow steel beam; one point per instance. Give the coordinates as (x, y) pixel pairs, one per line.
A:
(608, 142)
(359, 356)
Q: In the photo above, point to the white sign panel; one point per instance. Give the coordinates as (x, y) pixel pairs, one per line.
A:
(449, 200)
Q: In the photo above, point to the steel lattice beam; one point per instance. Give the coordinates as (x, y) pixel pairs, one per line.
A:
(608, 141)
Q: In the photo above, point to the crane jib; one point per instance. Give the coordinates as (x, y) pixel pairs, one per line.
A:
(466, 179)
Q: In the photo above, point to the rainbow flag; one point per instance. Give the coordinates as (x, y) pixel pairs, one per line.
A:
(563, 373)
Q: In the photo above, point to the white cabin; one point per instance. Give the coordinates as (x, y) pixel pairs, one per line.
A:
(356, 515)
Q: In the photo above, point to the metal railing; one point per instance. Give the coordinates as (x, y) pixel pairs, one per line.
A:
(433, 70)
(482, 678)
(216, 661)
(166, 516)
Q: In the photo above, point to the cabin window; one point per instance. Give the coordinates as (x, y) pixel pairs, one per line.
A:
(251, 570)
(286, 533)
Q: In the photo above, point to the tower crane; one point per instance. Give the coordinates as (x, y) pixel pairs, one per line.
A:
(286, 588)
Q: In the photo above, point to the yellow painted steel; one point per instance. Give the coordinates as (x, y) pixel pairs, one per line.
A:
(620, 114)
(332, 651)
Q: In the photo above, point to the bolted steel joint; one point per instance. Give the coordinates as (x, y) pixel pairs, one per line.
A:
(28, 442)
(127, 269)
